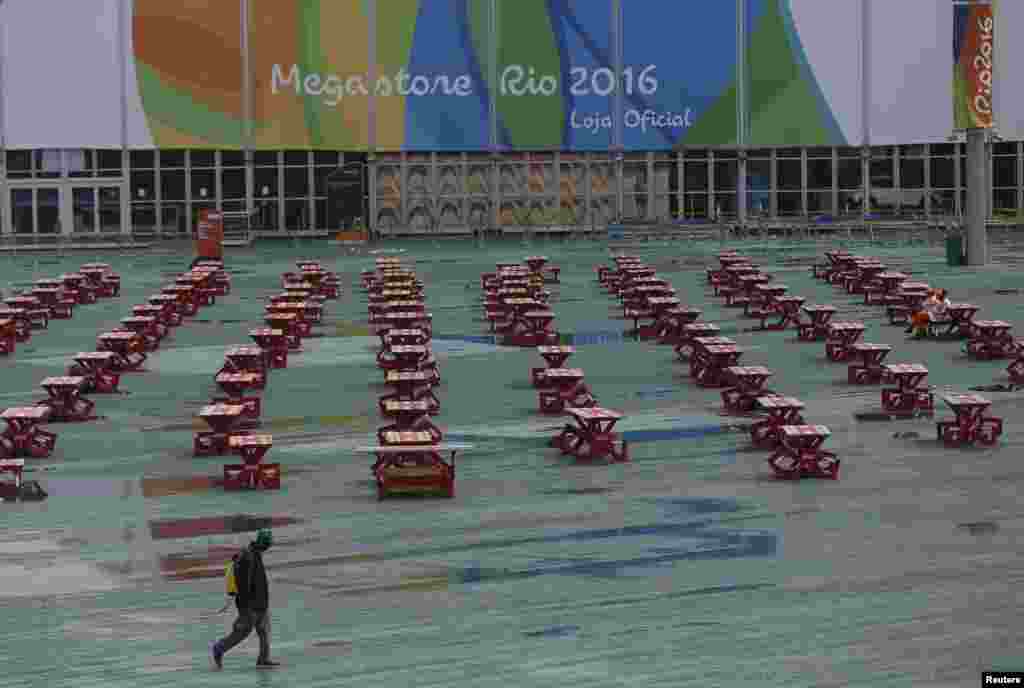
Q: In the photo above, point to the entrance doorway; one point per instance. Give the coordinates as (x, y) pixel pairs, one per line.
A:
(66, 208)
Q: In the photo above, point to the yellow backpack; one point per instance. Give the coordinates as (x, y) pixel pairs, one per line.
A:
(229, 576)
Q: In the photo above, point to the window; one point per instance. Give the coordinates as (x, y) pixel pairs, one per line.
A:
(882, 173)
(143, 185)
(265, 158)
(1004, 171)
(912, 173)
(819, 174)
(80, 163)
(172, 158)
(142, 159)
(201, 158)
(232, 183)
(232, 158)
(696, 176)
(296, 182)
(19, 164)
(326, 158)
(788, 174)
(726, 174)
(759, 175)
(172, 185)
(204, 184)
(265, 182)
(296, 158)
(942, 173)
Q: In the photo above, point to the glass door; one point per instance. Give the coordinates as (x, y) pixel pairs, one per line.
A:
(23, 216)
(83, 209)
(110, 209)
(37, 210)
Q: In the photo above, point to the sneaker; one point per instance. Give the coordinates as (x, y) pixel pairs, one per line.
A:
(217, 655)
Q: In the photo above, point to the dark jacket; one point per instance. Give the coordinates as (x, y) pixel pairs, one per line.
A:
(253, 591)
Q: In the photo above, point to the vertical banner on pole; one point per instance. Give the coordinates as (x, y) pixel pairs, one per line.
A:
(973, 58)
(208, 236)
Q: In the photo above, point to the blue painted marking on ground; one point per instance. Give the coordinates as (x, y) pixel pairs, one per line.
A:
(698, 540)
(655, 392)
(672, 433)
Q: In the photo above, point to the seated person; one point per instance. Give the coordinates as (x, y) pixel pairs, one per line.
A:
(933, 310)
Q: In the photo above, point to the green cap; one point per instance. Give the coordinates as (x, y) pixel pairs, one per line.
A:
(264, 538)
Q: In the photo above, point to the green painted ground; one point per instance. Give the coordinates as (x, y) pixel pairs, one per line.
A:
(688, 566)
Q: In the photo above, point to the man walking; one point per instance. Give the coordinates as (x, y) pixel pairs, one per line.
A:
(252, 600)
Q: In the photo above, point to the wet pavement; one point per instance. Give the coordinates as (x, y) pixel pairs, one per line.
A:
(687, 566)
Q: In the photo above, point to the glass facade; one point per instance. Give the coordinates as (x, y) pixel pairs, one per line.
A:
(159, 193)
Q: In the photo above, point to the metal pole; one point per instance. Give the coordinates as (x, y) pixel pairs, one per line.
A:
(977, 238)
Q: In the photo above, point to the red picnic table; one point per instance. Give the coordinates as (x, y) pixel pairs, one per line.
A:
(833, 262)
(958, 321)
(780, 411)
(402, 337)
(23, 436)
(22, 323)
(711, 355)
(235, 385)
(746, 387)
(97, 367)
(65, 400)
(414, 469)
(787, 308)
(593, 437)
(303, 325)
(554, 356)
(671, 321)
(971, 424)
(908, 299)
(78, 287)
(866, 363)
(408, 320)
(841, 337)
(252, 472)
(17, 489)
(158, 313)
(1016, 368)
(992, 339)
(690, 332)
(274, 345)
(170, 315)
(409, 415)
(8, 336)
(531, 328)
(800, 455)
(762, 296)
(566, 389)
(146, 327)
(222, 419)
(246, 359)
(129, 348)
(403, 356)
(729, 286)
(411, 385)
(863, 276)
(885, 288)
(817, 328)
(38, 314)
(287, 323)
(53, 299)
(536, 263)
(745, 291)
(724, 261)
(406, 438)
(188, 306)
(910, 396)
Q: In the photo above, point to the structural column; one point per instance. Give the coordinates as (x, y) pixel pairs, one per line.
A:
(977, 239)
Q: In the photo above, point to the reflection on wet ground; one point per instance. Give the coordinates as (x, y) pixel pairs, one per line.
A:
(685, 565)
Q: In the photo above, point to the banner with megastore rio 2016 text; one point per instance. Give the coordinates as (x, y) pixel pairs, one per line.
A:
(472, 75)
(973, 65)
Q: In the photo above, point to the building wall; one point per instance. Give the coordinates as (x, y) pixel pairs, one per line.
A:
(162, 191)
